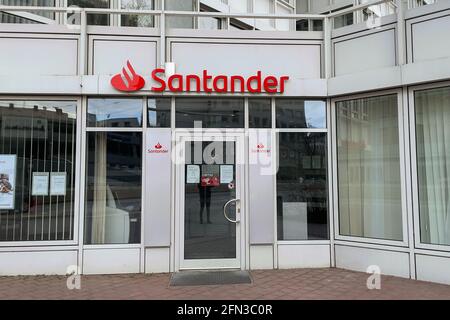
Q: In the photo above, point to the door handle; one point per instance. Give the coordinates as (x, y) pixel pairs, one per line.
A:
(237, 210)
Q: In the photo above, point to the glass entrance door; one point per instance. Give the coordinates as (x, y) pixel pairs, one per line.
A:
(210, 203)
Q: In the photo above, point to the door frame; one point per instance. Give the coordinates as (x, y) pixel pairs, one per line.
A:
(180, 137)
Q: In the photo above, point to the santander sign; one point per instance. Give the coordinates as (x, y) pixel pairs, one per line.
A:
(129, 81)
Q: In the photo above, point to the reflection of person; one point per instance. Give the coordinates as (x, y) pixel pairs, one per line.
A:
(205, 201)
(5, 185)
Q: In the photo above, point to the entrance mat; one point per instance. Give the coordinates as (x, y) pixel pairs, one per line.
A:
(200, 278)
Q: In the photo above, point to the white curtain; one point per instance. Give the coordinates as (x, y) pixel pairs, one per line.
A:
(433, 164)
(369, 168)
(100, 190)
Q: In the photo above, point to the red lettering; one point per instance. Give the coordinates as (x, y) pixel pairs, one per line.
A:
(206, 77)
(256, 78)
(190, 77)
(241, 83)
(175, 78)
(282, 83)
(159, 80)
(270, 84)
(224, 80)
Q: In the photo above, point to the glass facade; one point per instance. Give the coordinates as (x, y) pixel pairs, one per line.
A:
(298, 113)
(368, 162)
(37, 170)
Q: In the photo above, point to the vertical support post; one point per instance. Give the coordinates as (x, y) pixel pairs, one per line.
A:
(327, 46)
(82, 66)
(162, 29)
(401, 49)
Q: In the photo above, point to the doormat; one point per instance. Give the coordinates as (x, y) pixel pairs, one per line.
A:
(204, 278)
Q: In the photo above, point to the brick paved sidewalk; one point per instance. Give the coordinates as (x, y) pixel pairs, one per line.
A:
(270, 284)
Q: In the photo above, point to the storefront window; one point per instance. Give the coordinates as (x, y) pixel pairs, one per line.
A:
(369, 168)
(432, 110)
(260, 113)
(302, 186)
(20, 17)
(113, 187)
(37, 170)
(297, 113)
(115, 113)
(158, 112)
(209, 113)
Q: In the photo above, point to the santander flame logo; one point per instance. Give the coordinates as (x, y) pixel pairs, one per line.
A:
(260, 146)
(128, 80)
(158, 146)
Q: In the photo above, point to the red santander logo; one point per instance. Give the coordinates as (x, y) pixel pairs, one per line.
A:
(128, 80)
(158, 148)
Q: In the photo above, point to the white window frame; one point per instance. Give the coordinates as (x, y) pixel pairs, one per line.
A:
(414, 177)
(402, 154)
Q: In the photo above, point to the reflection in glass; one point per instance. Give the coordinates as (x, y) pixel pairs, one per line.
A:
(12, 18)
(260, 113)
(37, 137)
(297, 113)
(114, 113)
(113, 188)
(210, 113)
(369, 168)
(158, 112)
(137, 20)
(180, 5)
(302, 186)
(432, 110)
(92, 19)
(209, 184)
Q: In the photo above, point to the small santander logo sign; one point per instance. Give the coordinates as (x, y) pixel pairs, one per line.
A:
(158, 148)
(128, 80)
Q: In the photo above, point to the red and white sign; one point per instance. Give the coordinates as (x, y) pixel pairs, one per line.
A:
(158, 148)
(129, 81)
(261, 148)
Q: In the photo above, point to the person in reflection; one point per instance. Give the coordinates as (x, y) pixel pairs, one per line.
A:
(205, 201)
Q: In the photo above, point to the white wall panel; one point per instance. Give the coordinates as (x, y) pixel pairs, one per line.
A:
(358, 259)
(368, 52)
(37, 262)
(430, 39)
(38, 56)
(433, 268)
(109, 56)
(303, 256)
(111, 261)
(157, 260)
(261, 257)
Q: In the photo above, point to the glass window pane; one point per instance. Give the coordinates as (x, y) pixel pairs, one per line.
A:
(37, 170)
(302, 186)
(180, 5)
(114, 113)
(92, 19)
(432, 110)
(113, 188)
(158, 112)
(369, 168)
(297, 113)
(14, 17)
(137, 20)
(260, 113)
(209, 113)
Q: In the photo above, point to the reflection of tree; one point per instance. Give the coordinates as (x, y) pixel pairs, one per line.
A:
(138, 20)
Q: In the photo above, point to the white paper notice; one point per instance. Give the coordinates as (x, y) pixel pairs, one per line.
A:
(58, 184)
(40, 184)
(7, 180)
(192, 174)
(226, 173)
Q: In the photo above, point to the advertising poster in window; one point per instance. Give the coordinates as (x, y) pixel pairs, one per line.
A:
(40, 184)
(58, 184)
(7, 180)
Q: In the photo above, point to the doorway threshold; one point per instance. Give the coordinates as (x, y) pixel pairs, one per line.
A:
(213, 277)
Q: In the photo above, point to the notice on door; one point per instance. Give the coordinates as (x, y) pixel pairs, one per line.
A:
(40, 184)
(226, 173)
(58, 184)
(7, 180)
(192, 173)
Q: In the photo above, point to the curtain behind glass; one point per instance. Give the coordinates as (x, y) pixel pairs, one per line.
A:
(369, 168)
(432, 109)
